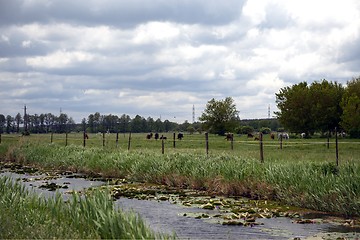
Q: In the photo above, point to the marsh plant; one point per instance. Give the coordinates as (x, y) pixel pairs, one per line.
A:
(26, 215)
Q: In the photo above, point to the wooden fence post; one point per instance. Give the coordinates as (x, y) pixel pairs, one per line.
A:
(336, 147)
(328, 140)
(129, 141)
(84, 138)
(232, 141)
(207, 143)
(261, 147)
(51, 137)
(281, 140)
(103, 139)
(66, 139)
(117, 139)
(162, 144)
(0, 138)
(174, 139)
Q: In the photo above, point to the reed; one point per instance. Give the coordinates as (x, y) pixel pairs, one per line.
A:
(26, 215)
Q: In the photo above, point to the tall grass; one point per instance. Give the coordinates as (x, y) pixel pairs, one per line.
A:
(312, 184)
(26, 215)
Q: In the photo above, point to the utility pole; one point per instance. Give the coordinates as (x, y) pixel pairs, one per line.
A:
(193, 114)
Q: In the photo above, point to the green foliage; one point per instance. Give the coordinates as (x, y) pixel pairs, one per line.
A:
(220, 116)
(265, 130)
(245, 129)
(350, 119)
(305, 108)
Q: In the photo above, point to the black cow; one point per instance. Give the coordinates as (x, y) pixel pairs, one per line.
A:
(156, 136)
(180, 136)
(162, 137)
(149, 136)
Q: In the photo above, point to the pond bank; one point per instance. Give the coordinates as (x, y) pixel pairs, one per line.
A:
(192, 214)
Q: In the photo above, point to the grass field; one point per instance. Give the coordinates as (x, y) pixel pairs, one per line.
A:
(303, 173)
(315, 149)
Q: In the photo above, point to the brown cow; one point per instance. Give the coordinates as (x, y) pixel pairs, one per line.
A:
(229, 137)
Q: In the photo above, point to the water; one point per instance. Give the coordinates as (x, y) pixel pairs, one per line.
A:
(166, 217)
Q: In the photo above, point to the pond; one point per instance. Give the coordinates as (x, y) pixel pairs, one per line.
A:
(170, 211)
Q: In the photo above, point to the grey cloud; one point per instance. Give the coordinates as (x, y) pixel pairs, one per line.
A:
(119, 13)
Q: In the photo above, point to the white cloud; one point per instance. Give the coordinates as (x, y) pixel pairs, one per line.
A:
(59, 59)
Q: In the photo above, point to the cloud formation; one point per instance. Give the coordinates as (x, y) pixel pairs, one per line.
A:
(159, 58)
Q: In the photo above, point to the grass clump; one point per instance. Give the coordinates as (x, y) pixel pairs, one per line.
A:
(26, 215)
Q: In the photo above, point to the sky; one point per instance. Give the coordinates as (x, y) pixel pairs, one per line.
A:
(162, 58)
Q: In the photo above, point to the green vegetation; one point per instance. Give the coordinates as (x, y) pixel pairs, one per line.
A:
(30, 216)
(301, 174)
(220, 116)
(320, 107)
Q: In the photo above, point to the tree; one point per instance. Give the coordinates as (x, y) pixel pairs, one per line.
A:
(2, 123)
(325, 108)
(220, 116)
(305, 108)
(18, 120)
(294, 104)
(9, 123)
(350, 119)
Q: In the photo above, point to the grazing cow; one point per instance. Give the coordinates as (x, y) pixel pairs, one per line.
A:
(229, 137)
(149, 136)
(272, 136)
(180, 136)
(256, 139)
(156, 136)
(250, 135)
(162, 137)
(86, 136)
(303, 135)
(283, 136)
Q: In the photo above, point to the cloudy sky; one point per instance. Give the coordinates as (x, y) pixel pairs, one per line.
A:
(162, 57)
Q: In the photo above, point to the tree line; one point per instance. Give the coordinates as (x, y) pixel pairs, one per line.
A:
(94, 123)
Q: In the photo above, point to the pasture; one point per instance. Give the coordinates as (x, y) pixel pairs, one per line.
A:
(302, 173)
(296, 149)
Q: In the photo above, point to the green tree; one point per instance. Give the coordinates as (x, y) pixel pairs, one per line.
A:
(220, 116)
(350, 119)
(305, 108)
(18, 120)
(325, 108)
(294, 104)
(2, 123)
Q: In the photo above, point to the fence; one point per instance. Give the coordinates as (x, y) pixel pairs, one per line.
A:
(167, 141)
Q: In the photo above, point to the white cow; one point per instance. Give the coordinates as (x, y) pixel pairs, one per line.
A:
(283, 136)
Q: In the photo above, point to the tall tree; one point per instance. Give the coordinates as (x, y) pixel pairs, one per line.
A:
(325, 108)
(350, 104)
(18, 120)
(220, 116)
(9, 123)
(294, 104)
(2, 123)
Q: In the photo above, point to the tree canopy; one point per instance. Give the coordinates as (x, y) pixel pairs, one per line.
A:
(309, 108)
(220, 116)
(350, 119)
